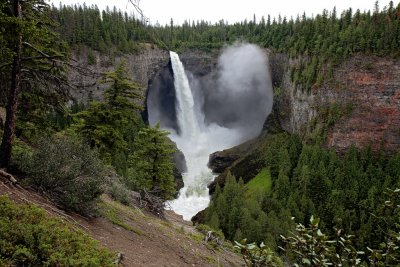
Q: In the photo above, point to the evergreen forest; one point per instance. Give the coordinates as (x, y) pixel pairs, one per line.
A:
(74, 151)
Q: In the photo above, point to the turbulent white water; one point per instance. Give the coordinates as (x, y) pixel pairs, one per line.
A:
(196, 141)
(221, 110)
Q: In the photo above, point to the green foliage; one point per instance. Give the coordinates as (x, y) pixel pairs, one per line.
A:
(388, 226)
(37, 31)
(309, 246)
(123, 92)
(40, 110)
(119, 192)
(151, 166)
(29, 237)
(306, 179)
(111, 126)
(261, 184)
(108, 31)
(234, 214)
(33, 64)
(258, 256)
(66, 169)
(21, 156)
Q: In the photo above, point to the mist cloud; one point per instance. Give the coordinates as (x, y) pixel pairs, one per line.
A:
(241, 96)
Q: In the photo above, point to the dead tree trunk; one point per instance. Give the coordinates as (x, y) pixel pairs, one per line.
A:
(12, 98)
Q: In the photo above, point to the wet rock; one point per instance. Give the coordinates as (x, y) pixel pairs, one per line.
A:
(219, 161)
(200, 217)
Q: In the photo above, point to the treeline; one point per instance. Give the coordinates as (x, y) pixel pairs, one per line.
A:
(305, 180)
(105, 30)
(316, 44)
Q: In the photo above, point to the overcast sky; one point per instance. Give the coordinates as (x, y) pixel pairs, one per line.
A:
(229, 10)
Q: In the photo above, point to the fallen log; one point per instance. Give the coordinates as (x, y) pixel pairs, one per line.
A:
(8, 176)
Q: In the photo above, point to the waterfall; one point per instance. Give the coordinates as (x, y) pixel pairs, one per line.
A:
(194, 195)
(187, 121)
(240, 93)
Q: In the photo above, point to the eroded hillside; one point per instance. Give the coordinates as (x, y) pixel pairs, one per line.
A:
(142, 238)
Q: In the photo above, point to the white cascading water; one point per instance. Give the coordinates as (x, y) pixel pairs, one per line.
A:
(239, 97)
(187, 121)
(196, 141)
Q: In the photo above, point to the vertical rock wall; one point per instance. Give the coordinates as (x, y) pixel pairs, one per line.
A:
(365, 91)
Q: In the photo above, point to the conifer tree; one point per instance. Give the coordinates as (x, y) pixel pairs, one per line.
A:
(151, 166)
(111, 125)
(35, 60)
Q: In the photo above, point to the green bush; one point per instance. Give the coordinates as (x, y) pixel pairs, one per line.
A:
(21, 156)
(68, 170)
(257, 256)
(28, 237)
(119, 192)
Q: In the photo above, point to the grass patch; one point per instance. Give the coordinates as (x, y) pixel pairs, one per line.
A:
(29, 237)
(260, 184)
(197, 237)
(110, 210)
(131, 212)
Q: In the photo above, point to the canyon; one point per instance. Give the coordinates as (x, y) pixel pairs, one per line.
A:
(364, 92)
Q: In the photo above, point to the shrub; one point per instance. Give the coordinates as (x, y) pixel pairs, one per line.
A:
(68, 170)
(21, 156)
(28, 237)
(257, 256)
(119, 192)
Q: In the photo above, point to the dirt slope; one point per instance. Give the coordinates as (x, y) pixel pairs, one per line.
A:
(143, 239)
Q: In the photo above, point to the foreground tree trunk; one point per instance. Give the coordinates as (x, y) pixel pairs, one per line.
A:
(12, 98)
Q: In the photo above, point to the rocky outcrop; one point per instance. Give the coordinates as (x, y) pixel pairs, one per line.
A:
(200, 63)
(160, 99)
(372, 86)
(249, 161)
(179, 168)
(219, 161)
(365, 93)
(142, 67)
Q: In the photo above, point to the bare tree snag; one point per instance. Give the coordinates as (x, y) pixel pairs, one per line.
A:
(12, 101)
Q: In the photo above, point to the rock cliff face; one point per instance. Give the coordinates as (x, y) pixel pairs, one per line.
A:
(142, 67)
(364, 94)
(372, 85)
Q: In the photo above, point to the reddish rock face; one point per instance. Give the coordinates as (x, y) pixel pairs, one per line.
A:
(372, 85)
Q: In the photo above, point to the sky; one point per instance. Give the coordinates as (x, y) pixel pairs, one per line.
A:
(232, 11)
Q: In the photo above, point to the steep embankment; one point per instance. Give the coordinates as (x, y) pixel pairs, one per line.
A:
(143, 239)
